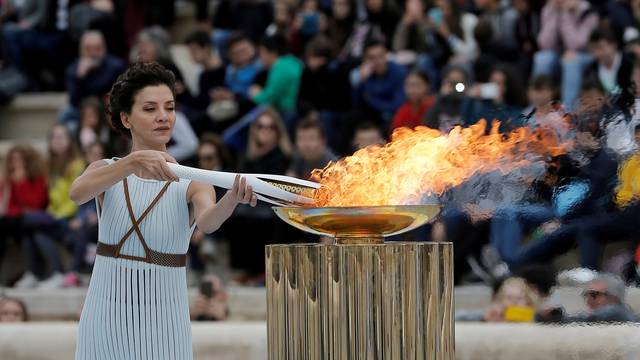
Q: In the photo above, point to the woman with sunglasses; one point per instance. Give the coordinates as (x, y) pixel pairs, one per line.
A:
(137, 305)
(268, 152)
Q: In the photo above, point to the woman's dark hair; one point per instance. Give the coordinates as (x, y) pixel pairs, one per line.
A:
(276, 44)
(137, 77)
(420, 74)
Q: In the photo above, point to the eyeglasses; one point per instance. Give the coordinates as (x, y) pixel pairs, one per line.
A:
(268, 127)
(208, 157)
(594, 294)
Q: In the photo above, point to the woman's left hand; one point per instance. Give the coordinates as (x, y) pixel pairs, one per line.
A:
(242, 193)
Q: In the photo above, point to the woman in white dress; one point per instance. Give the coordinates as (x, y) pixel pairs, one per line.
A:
(137, 306)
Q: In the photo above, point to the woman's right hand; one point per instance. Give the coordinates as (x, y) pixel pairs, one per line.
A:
(153, 164)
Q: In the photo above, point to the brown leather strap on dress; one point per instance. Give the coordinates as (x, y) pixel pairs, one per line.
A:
(151, 256)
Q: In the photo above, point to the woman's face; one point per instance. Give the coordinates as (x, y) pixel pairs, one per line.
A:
(16, 163)
(11, 311)
(266, 131)
(208, 157)
(341, 9)
(59, 140)
(415, 88)
(375, 5)
(515, 295)
(89, 117)
(152, 116)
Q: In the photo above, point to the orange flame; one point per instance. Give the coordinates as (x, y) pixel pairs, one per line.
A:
(426, 161)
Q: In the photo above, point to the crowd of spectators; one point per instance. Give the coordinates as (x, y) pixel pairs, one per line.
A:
(285, 86)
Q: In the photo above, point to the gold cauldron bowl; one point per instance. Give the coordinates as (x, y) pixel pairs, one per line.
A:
(358, 224)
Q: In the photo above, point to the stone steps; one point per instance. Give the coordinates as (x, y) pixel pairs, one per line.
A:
(29, 116)
(249, 303)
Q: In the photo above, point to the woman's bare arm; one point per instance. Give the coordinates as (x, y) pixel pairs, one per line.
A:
(99, 176)
(210, 215)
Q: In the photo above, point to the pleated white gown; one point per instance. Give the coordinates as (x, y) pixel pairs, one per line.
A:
(133, 309)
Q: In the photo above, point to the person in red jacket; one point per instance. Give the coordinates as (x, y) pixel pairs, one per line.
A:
(24, 190)
(419, 100)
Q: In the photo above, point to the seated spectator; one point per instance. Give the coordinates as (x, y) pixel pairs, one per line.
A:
(12, 310)
(579, 210)
(212, 75)
(446, 112)
(251, 17)
(604, 297)
(367, 134)
(184, 141)
(377, 83)
(230, 100)
(244, 66)
(489, 52)
(93, 123)
(502, 18)
(26, 188)
(268, 152)
(612, 68)
(500, 99)
(456, 27)
(49, 227)
(82, 233)
(308, 23)
(419, 100)
(542, 94)
(513, 301)
(211, 302)
(312, 151)
(284, 13)
(565, 30)
(36, 41)
(324, 85)
(341, 22)
(212, 155)
(92, 74)
(153, 44)
(383, 15)
(283, 81)
(526, 32)
(423, 36)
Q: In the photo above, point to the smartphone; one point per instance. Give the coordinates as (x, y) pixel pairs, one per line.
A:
(489, 91)
(519, 314)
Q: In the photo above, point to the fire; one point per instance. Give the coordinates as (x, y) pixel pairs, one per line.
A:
(425, 161)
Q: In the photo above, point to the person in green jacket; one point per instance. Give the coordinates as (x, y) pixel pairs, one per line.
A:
(283, 80)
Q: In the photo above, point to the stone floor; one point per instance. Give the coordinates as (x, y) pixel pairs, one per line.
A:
(248, 341)
(249, 303)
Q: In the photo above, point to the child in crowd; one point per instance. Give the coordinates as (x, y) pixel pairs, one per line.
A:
(419, 100)
(82, 233)
(25, 192)
(49, 227)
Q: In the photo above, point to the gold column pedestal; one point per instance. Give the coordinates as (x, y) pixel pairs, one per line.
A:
(360, 301)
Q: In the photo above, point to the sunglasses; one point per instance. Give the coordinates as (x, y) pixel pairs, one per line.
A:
(208, 157)
(594, 294)
(268, 127)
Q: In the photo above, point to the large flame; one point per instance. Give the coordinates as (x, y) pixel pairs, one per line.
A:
(425, 161)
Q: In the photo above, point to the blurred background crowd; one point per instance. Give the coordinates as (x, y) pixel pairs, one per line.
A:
(285, 86)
